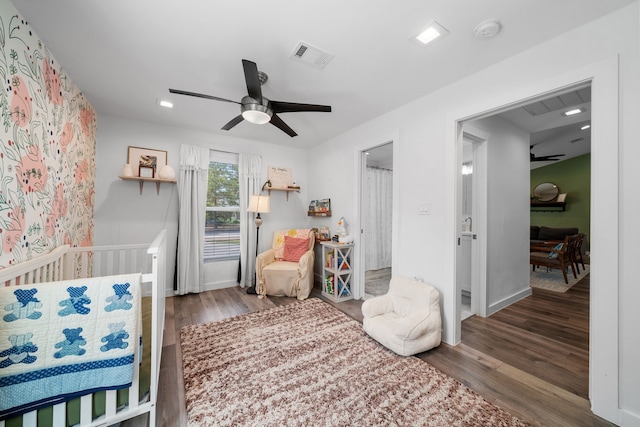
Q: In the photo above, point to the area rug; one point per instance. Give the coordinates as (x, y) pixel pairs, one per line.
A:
(307, 363)
(552, 279)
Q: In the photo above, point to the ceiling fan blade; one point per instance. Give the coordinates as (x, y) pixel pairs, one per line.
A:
(237, 119)
(277, 122)
(291, 107)
(252, 79)
(546, 158)
(200, 95)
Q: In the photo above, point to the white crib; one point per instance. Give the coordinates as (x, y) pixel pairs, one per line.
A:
(66, 263)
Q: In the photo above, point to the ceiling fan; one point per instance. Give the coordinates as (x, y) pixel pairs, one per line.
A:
(550, 158)
(256, 108)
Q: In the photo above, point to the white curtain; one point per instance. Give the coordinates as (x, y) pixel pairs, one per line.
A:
(249, 170)
(192, 196)
(379, 209)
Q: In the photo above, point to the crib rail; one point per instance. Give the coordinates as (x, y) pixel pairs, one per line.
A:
(45, 268)
(65, 263)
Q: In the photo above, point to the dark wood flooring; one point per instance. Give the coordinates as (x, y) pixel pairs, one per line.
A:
(530, 358)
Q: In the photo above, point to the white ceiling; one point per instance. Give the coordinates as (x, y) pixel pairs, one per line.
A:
(124, 55)
(552, 133)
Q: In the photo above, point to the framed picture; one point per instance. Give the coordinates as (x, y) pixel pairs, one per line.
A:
(144, 158)
(279, 177)
(146, 172)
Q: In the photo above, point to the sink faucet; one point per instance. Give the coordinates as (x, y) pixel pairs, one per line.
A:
(470, 222)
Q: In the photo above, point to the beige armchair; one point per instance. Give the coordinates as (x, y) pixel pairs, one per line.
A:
(287, 268)
(407, 319)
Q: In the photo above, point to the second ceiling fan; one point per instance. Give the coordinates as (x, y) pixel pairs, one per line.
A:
(256, 108)
(550, 158)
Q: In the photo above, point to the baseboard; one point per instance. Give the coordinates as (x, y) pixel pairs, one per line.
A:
(220, 285)
(497, 306)
(628, 419)
(208, 287)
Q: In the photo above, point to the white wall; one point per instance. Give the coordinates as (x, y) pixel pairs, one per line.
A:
(507, 212)
(122, 215)
(427, 169)
(629, 232)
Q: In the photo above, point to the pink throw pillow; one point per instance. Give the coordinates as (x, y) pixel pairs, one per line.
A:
(294, 248)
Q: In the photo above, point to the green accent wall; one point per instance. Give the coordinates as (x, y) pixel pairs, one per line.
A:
(572, 177)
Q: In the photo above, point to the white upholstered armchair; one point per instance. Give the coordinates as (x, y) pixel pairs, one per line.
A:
(407, 319)
(287, 268)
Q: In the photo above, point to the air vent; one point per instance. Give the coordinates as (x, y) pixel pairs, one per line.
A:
(573, 141)
(311, 55)
(559, 102)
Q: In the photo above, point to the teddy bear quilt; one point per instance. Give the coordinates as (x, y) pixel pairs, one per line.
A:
(61, 340)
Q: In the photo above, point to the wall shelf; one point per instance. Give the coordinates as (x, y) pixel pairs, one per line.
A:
(141, 180)
(548, 206)
(327, 213)
(288, 190)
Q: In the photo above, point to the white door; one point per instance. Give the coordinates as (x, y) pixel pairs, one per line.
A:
(471, 214)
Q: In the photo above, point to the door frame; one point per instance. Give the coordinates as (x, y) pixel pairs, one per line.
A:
(604, 296)
(360, 165)
(479, 228)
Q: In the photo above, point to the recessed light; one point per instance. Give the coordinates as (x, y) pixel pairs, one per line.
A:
(165, 104)
(573, 112)
(433, 32)
(585, 127)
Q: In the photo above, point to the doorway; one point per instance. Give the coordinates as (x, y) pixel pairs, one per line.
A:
(517, 138)
(470, 258)
(543, 139)
(604, 299)
(377, 219)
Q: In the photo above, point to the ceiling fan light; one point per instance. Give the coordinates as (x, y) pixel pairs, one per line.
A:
(256, 113)
(256, 117)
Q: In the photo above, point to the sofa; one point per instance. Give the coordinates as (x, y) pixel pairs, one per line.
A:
(543, 233)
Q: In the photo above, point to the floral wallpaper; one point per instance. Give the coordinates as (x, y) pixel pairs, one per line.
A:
(47, 148)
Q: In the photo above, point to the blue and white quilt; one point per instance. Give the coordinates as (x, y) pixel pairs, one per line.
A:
(61, 340)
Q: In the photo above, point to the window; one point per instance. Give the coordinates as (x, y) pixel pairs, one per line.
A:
(222, 217)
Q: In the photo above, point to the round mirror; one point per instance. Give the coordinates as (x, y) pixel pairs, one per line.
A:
(546, 192)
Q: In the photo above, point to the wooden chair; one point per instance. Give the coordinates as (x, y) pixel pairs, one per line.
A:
(577, 253)
(548, 254)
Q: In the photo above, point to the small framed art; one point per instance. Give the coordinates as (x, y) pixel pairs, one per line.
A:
(143, 159)
(146, 172)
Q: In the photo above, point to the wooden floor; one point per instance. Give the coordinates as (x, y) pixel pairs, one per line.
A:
(530, 358)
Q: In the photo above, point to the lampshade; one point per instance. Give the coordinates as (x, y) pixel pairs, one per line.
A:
(258, 203)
